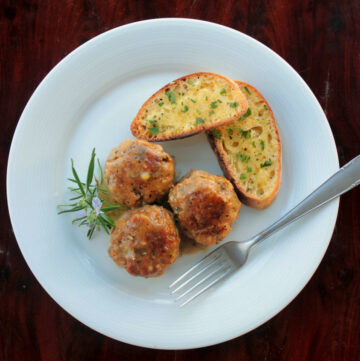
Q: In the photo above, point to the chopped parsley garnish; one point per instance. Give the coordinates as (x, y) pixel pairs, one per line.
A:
(213, 105)
(171, 97)
(219, 101)
(265, 107)
(186, 108)
(244, 133)
(161, 104)
(249, 169)
(253, 143)
(248, 113)
(198, 111)
(194, 101)
(152, 122)
(267, 163)
(259, 153)
(211, 112)
(216, 134)
(243, 157)
(234, 105)
(262, 144)
(200, 121)
(206, 98)
(246, 159)
(223, 91)
(242, 176)
(248, 91)
(230, 131)
(191, 82)
(154, 130)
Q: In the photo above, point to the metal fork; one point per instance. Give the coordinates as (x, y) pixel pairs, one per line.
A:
(231, 256)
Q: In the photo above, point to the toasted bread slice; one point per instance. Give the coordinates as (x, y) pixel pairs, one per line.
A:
(249, 151)
(187, 106)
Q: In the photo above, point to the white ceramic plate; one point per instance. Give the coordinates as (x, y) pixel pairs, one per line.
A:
(88, 100)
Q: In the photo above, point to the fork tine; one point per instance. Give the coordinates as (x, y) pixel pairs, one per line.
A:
(216, 270)
(207, 287)
(196, 274)
(192, 268)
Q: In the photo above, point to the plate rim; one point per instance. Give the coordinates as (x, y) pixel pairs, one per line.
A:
(68, 57)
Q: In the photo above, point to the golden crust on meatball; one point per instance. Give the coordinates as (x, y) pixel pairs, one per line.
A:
(145, 241)
(138, 172)
(206, 206)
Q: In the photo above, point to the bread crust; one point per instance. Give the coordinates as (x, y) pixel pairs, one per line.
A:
(138, 120)
(245, 197)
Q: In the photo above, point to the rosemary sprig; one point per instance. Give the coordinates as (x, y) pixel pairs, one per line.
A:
(87, 200)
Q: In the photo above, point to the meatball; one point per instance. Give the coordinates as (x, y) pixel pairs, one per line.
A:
(145, 241)
(138, 172)
(206, 206)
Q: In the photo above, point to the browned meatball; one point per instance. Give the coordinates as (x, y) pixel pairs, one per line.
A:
(206, 206)
(138, 172)
(145, 241)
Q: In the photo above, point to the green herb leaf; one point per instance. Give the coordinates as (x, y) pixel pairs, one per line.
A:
(262, 144)
(91, 231)
(100, 171)
(90, 173)
(213, 105)
(248, 91)
(161, 104)
(75, 209)
(206, 98)
(247, 114)
(265, 107)
(243, 157)
(186, 108)
(200, 121)
(223, 91)
(253, 143)
(234, 105)
(171, 97)
(230, 131)
(108, 219)
(81, 188)
(242, 176)
(194, 101)
(198, 111)
(219, 101)
(216, 134)
(267, 163)
(249, 169)
(154, 130)
(104, 224)
(211, 112)
(111, 208)
(191, 82)
(75, 198)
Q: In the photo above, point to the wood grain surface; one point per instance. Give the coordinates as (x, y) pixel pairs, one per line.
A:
(321, 40)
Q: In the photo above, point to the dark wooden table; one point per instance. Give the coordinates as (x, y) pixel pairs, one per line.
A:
(321, 40)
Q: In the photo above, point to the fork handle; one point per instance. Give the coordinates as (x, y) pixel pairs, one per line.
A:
(342, 181)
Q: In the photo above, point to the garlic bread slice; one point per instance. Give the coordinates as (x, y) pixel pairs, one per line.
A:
(187, 106)
(249, 151)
